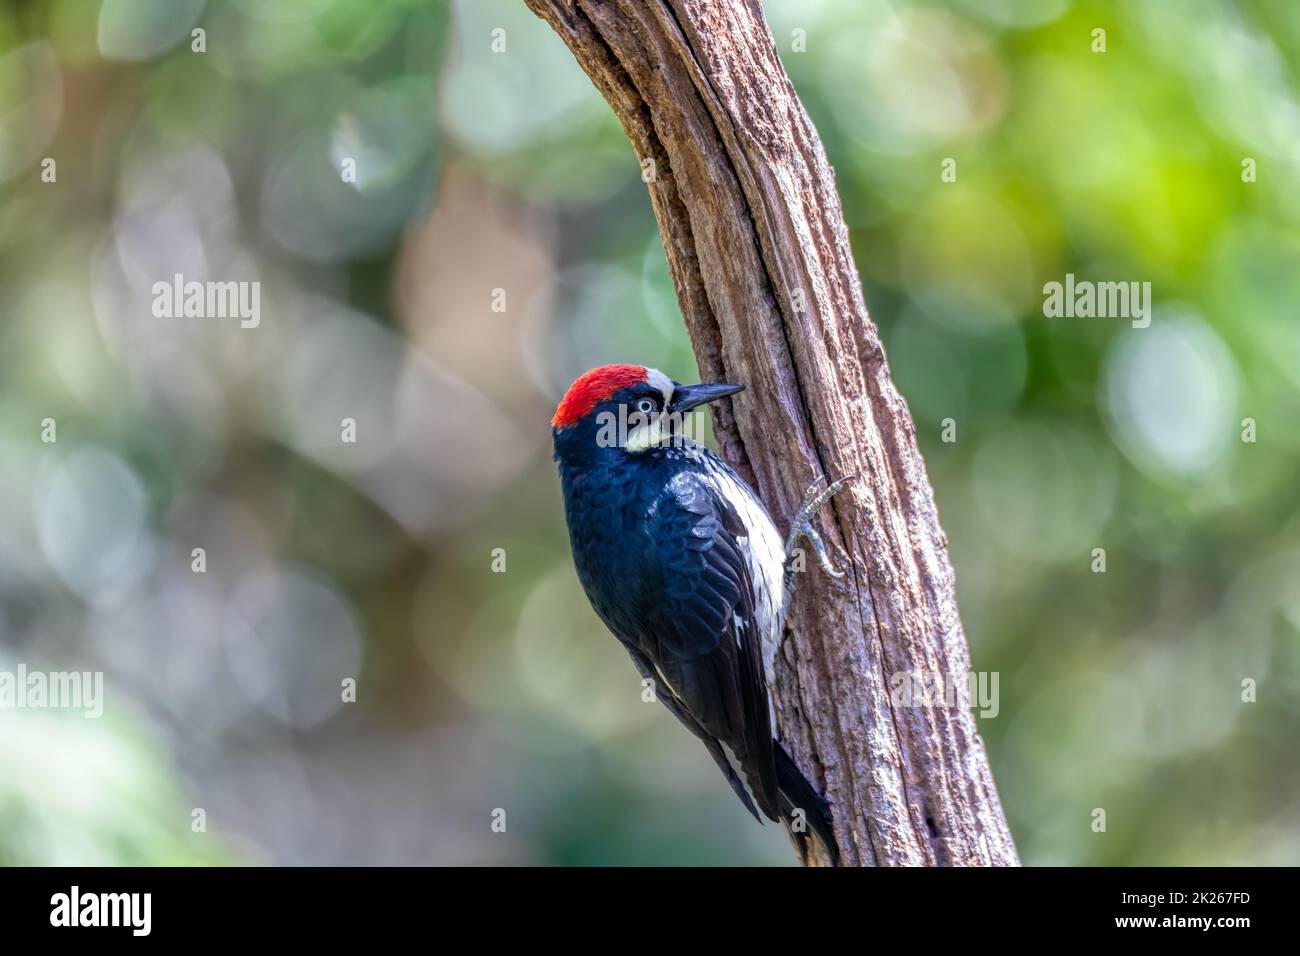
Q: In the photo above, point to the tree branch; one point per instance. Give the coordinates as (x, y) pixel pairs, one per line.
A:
(755, 237)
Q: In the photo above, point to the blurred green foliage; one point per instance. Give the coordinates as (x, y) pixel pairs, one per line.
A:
(496, 241)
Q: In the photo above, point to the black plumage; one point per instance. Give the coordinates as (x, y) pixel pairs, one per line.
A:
(664, 548)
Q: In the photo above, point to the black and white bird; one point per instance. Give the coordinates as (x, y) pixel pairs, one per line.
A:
(683, 563)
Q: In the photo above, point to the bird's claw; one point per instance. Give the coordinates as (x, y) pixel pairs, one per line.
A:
(801, 526)
(806, 530)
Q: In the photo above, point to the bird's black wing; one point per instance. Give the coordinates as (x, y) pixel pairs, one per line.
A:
(699, 635)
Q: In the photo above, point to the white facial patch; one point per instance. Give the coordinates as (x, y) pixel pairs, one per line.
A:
(662, 382)
(651, 433)
(646, 435)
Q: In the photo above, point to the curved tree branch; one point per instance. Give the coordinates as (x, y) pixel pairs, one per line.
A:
(755, 237)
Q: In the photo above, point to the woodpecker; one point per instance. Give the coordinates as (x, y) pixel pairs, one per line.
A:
(684, 564)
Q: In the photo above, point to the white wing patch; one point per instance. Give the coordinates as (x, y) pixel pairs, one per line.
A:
(765, 552)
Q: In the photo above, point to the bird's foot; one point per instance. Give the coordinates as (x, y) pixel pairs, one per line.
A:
(801, 525)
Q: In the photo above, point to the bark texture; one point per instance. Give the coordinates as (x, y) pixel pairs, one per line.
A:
(759, 252)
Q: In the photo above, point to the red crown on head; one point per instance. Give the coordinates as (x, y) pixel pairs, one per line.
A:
(592, 388)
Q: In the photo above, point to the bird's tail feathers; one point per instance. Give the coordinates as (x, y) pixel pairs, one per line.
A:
(803, 808)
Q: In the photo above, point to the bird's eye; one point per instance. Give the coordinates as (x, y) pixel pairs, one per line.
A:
(645, 406)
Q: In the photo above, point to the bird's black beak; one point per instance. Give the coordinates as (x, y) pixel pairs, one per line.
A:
(686, 397)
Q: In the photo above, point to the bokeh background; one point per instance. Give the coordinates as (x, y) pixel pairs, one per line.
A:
(498, 241)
